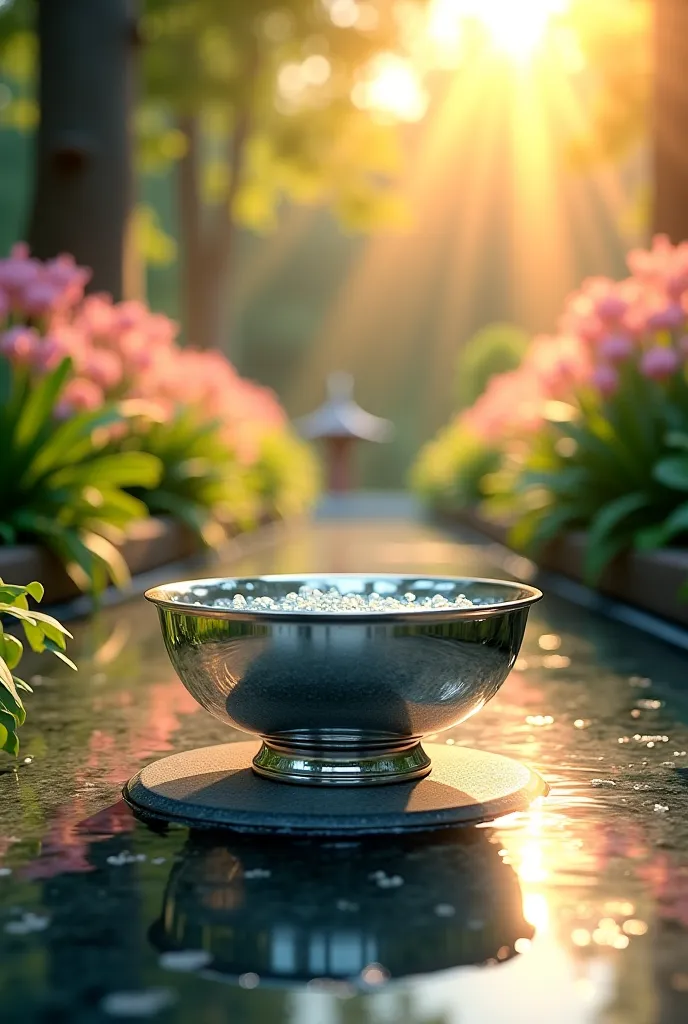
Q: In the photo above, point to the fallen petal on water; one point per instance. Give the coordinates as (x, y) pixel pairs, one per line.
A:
(184, 959)
(146, 1003)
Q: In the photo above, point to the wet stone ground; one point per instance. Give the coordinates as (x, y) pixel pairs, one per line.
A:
(576, 911)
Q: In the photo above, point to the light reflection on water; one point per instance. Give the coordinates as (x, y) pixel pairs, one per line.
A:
(603, 877)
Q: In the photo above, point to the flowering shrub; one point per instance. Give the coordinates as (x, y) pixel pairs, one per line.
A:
(122, 350)
(207, 428)
(593, 426)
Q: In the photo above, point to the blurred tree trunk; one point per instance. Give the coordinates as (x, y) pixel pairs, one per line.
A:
(207, 236)
(208, 231)
(203, 261)
(670, 119)
(83, 189)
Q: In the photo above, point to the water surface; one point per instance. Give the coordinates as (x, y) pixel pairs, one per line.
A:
(576, 911)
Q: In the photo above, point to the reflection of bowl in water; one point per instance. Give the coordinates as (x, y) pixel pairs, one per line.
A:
(343, 697)
(293, 911)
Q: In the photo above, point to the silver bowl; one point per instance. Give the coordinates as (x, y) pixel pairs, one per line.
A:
(343, 698)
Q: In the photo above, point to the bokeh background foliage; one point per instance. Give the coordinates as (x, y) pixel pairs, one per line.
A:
(363, 185)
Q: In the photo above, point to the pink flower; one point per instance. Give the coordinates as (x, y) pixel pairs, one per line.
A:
(103, 367)
(659, 362)
(131, 314)
(18, 274)
(650, 265)
(63, 271)
(39, 298)
(79, 395)
(20, 345)
(513, 403)
(51, 351)
(606, 380)
(161, 329)
(560, 363)
(677, 284)
(135, 350)
(20, 251)
(668, 318)
(126, 349)
(611, 308)
(614, 348)
(97, 315)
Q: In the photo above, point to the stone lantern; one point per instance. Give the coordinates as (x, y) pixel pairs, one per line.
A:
(340, 424)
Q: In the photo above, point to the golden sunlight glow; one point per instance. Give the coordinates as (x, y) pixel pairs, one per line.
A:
(515, 29)
(391, 87)
(536, 910)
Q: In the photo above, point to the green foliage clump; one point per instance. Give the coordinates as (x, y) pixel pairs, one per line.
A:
(286, 475)
(619, 474)
(495, 349)
(202, 483)
(43, 633)
(61, 484)
(451, 470)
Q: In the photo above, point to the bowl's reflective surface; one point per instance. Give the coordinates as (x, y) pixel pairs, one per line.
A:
(292, 911)
(343, 699)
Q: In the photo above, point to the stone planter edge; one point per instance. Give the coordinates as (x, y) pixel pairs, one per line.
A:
(152, 544)
(649, 580)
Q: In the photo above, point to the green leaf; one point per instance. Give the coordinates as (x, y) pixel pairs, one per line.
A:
(78, 560)
(36, 590)
(614, 512)
(34, 637)
(11, 702)
(677, 439)
(551, 525)
(6, 680)
(21, 685)
(35, 524)
(122, 469)
(5, 382)
(49, 625)
(7, 534)
(70, 442)
(9, 593)
(8, 735)
(110, 556)
(672, 472)
(659, 536)
(602, 546)
(16, 611)
(59, 653)
(120, 508)
(13, 649)
(192, 513)
(37, 411)
(597, 558)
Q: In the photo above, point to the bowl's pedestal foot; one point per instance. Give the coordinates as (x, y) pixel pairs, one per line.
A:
(215, 787)
(312, 765)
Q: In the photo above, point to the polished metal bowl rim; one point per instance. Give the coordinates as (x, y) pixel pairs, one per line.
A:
(159, 597)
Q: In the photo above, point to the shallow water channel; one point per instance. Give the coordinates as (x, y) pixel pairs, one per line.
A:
(576, 911)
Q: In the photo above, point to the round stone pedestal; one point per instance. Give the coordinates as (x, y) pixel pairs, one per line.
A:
(215, 787)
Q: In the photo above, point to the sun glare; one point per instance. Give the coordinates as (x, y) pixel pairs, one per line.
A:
(515, 29)
(391, 87)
